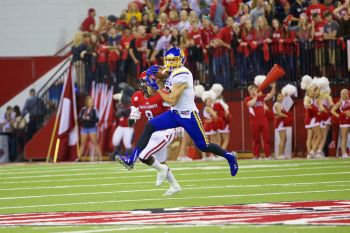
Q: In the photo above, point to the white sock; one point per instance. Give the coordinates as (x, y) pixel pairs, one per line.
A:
(312, 152)
(171, 179)
(157, 165)
(345, 155)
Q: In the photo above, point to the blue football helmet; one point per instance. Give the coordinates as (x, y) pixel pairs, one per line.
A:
(174, 58)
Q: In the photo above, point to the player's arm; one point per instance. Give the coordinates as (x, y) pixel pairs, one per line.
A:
(307, 102)
(252, 102)
(173, 97)
(278, 110)
(272, 93)
(320, 105)
(211, 112)
(335, 108)
(135, 114)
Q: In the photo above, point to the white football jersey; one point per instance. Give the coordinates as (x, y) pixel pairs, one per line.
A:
(186, 103)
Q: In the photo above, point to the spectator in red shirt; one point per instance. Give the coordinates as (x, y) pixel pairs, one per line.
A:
(315, 8)
(248, 37)
(329, 5)
(318, 35)
(163, 22)
(221, 57)
(304, 38)
(232, 7)
(258, 120)
(89, 23)
(195, 53)
(103, 74)
(247, 47)
(263, 35)
(137, 52)
(173, 18)
(224, 37)
(164, 6)
(207, 34)
(277, 38)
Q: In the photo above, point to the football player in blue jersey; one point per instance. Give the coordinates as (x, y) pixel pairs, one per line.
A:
(183, 113)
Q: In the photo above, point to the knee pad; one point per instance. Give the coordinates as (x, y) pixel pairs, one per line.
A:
(149, 161)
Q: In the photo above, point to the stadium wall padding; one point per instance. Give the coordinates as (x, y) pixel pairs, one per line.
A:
(20, 72)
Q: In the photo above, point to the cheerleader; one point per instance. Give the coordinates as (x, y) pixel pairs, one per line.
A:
(209, 118)
(312, 124)
(222, 110)
(283, 119)
(344, 119)
(326, 103)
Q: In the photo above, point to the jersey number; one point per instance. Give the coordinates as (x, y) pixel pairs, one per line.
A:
(149, 114)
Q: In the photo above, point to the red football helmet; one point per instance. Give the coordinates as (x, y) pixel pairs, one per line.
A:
(143, 83)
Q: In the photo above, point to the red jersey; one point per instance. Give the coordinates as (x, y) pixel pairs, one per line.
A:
(249, 36)
(277, 46)
(262, 34)
(277, 35)
(315, 9)
(257, 111)
(231, 6)
(85, 26)
(149, 107)
(207, 35)
(196, 36)
(125, 43)
(225, 34)
(319, 31)
(102, 52)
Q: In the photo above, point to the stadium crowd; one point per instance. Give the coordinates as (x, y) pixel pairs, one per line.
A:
(225, 41)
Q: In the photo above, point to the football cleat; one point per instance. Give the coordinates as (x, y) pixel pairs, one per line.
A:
(172, 190)
(125, 161)
(161, 175)
(232, 161)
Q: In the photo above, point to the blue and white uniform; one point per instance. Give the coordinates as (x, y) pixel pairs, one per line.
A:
(185, 112)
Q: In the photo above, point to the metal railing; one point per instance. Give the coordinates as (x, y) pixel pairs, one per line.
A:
(50, 93)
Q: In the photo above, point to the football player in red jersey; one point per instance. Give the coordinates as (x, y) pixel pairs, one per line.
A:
(148, 103)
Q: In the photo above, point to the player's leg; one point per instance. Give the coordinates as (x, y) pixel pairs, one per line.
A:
(266, 138)
(282, 144)
(83, 140)
(127, 138)
(194, 128)
(117, 136)
(162, 156)
(344, 130)
(255, 128)
(93, 137)
(161, 122)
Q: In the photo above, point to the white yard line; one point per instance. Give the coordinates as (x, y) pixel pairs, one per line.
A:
(162, 189)
(44, 167)
(190, 174)
(111, 184)
(172, 198)
(205, 168)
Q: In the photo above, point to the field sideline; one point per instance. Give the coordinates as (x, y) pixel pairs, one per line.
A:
(108, 189)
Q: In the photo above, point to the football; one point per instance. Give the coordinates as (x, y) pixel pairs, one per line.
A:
(162, 73)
